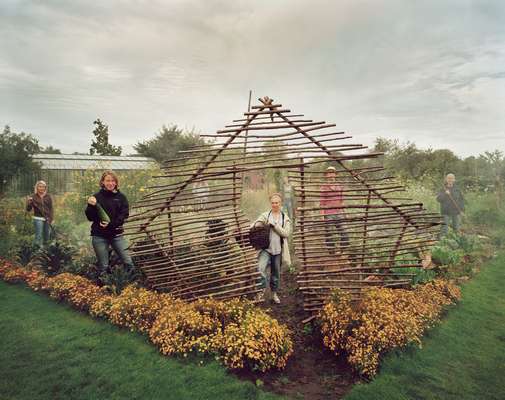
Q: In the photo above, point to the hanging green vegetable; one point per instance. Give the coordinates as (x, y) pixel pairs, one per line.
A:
(102, 214)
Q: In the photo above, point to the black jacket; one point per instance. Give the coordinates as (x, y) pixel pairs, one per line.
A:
(116, 206)
(452, 204)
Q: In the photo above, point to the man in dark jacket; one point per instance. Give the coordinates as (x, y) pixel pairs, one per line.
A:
(452, 204)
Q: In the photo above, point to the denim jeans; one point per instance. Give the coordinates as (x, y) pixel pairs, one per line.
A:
(334, 223)
(453, 220)
(101, 247)
(265, 259)
(42, 232)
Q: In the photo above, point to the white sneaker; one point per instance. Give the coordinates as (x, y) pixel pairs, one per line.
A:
(275, 298)
(260, 297)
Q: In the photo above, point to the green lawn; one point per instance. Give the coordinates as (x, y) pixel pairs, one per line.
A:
(463, 358)
(49, 351)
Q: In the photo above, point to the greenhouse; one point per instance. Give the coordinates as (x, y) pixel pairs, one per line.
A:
(59, 170)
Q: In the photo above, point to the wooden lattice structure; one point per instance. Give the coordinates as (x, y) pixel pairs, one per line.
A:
(190, 235)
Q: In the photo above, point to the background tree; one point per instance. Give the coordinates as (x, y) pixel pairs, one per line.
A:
(50, 150)
(16, 150)
(100, 144)
(167, 143)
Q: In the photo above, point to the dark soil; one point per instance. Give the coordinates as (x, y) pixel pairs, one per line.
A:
(312, 372)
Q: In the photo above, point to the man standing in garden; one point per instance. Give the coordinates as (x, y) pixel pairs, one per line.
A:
(331, 202)
(452, 204)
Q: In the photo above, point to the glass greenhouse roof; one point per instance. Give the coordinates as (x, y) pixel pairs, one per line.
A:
(83, 162)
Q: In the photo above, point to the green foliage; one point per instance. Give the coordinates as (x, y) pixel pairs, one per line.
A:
(430, 166)
(84, 265)
(16, 150)
(54, 257)
(26, 251)
(119, 278)
(167, 143)
(100, 145)
(442, 255)
(15, 225)
(50, 150)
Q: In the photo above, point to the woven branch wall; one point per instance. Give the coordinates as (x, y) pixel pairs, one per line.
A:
(189, 234)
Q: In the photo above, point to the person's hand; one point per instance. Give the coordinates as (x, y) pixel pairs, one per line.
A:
(92, 200)
(103, 224)
(447, 192)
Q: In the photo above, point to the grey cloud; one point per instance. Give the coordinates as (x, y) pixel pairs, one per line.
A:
(420, 70)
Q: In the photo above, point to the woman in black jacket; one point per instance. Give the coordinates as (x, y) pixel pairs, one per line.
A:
(108, 233)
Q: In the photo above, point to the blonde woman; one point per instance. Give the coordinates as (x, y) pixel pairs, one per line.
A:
(108, 232)
(43, 216)
(277, 253)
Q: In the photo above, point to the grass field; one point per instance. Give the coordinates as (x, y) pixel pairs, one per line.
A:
(49, 351)
(463, 358)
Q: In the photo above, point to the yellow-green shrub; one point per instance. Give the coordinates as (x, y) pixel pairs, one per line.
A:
(239, 334)
(382, 320)
(181, 329)
(257, 342)
(137, 308)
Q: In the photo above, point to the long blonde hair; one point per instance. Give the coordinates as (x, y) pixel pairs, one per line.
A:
(37, 184)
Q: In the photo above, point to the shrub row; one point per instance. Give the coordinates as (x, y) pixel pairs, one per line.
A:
(382, 320)
(235, 332)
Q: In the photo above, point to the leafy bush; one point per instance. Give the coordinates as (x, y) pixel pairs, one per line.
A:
(26, 251)
(382, 320)
(53, 257)
(442, 255)
(119, 278)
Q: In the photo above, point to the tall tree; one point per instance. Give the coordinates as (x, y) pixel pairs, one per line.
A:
(167, 143)
(100, 144)
(16, 150)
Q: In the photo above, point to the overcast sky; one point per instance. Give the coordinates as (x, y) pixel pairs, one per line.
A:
(432, 72)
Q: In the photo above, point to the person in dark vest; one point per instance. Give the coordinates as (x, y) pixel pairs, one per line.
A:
(107, 230)
(277, 254)
(43, 215)
(452, 204)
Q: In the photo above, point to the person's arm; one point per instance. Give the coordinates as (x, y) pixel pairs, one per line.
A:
(50, 211)
(441, 195)
(91, 210)
(124, 212)
(263, 218)
(461, 200)
(29, 203)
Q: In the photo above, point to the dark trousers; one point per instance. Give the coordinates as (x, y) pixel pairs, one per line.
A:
(334, 223)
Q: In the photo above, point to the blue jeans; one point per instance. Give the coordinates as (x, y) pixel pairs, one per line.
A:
(101, 247)
(42, 232)
(265, 259)
(453, 220)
